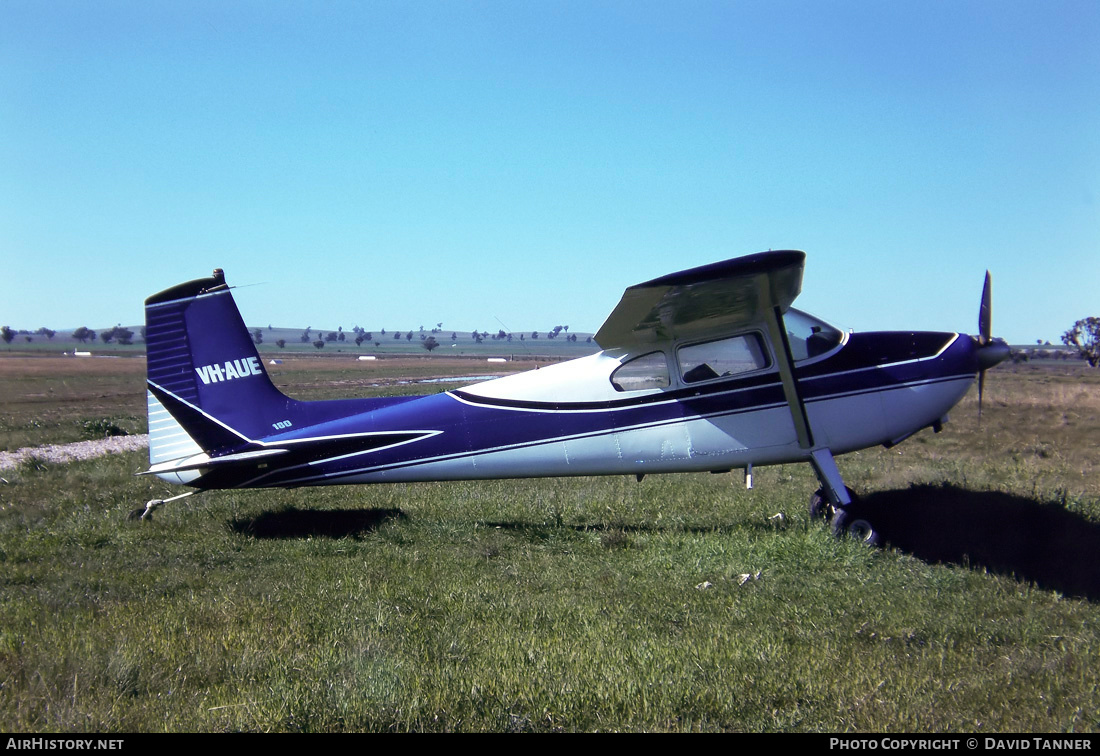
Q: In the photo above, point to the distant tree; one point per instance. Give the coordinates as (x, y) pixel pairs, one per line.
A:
(82, 334)
(367, 336)
(331, 336)
(409, 336)
(340, 336)
(383, 331)
(258, 336)
(118, 333)
(454, 336)
(359, 340)
(319, 344)
(46, 332)
(281, 343)
(143, 333)
(501, 334)
(534, 334)
(1085, 337)
(7, 334)
(397, 337)
(430, 343)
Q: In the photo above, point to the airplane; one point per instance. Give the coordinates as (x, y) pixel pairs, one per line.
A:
(707, 369)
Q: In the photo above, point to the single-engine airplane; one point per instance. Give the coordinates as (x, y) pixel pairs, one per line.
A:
(708, 369)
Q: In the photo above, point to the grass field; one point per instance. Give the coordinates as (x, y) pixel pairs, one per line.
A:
(677, 603)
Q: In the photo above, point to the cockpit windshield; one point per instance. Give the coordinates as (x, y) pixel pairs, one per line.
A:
(809, 336)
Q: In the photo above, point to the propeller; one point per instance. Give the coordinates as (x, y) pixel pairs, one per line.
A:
(990, 351)
(985, 314)
(985, 330)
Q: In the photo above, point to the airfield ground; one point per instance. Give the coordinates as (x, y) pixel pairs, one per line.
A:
(678, 603)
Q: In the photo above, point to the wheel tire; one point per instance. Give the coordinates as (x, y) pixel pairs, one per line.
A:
(820, 508)
(859, 528)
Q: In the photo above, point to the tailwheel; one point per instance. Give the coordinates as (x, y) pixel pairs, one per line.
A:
(145, 514)
(859, 528)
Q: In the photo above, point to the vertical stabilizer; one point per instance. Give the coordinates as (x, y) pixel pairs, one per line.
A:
(208, 389)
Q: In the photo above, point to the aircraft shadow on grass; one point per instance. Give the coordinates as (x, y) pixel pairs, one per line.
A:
(1003, 533)
(1006, 534)
(305, 523)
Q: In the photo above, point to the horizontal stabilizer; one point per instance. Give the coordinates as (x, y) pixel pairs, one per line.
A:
(205, 462)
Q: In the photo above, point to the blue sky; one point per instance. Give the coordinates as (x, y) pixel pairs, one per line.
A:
(397, 164)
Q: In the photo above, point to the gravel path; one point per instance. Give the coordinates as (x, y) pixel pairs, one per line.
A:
(72, 452)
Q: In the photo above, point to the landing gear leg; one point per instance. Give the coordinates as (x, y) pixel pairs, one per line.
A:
(832, 485)
(833, 501)
(146, 512)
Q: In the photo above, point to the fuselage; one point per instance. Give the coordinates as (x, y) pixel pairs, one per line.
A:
(703, 405)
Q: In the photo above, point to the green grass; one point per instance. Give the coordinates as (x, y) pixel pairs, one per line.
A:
(678, 603)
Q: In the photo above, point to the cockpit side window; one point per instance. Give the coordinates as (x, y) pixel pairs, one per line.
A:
(718, 359)
(650, 371)
(809, 337)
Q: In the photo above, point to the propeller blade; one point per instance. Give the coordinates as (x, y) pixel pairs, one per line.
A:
(985, 314)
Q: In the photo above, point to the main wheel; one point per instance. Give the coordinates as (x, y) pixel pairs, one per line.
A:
(844, 524)
(820, 508)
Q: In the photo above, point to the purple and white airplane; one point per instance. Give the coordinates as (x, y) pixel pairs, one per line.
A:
(708, 369)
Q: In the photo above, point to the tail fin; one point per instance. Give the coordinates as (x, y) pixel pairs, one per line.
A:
(208, 389)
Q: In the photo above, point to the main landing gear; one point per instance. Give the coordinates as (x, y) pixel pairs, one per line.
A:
(833, 502)
(842, 520)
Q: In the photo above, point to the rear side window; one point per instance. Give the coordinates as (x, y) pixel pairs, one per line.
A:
(650, 371)
(719, 359)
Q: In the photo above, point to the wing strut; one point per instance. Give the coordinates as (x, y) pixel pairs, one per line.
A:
(782, 348)
(820, 458)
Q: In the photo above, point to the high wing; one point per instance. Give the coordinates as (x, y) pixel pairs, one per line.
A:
(707, 300)
(717, 299)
